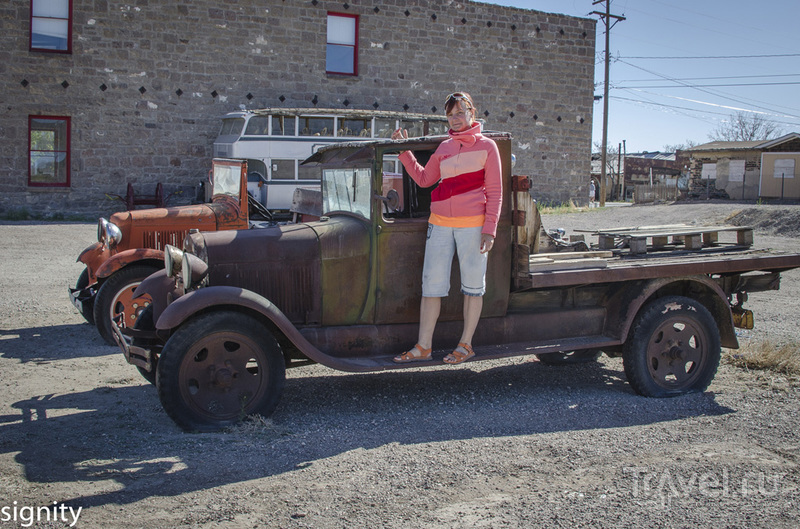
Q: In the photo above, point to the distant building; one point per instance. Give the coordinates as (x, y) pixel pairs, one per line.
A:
(647, 169)
(746, 170)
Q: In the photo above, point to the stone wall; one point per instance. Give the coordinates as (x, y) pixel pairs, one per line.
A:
(147, 82)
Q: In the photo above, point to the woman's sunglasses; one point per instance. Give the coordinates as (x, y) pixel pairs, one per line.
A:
(457, 96)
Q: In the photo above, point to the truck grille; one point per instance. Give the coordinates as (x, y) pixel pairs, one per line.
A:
(158, 239)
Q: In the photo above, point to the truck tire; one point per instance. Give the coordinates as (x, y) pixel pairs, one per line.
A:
(219, 368)
(582, 356)
(87, 307)
(115, 292)
(673, 348)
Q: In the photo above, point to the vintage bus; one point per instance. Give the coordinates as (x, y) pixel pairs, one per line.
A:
(274, 141)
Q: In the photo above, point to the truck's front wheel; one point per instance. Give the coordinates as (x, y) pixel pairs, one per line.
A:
(219, 368)
(115, 296)
(673, 348)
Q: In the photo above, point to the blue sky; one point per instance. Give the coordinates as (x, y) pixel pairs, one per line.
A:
(680, 68)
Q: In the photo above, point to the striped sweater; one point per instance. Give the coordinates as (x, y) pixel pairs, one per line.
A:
(468, 169)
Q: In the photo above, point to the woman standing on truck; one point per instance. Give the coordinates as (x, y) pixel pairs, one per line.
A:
(465, 208)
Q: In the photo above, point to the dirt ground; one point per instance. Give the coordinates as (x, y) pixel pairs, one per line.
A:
(508, 443)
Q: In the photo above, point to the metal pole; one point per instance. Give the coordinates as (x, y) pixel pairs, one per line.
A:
(606, 16)
(605, 106)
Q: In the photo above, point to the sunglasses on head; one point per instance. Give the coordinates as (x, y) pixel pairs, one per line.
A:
(457, 96)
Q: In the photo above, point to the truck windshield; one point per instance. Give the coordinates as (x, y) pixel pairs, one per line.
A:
(347, 189)
(227, 179)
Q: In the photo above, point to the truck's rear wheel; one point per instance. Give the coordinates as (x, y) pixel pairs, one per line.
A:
(219, 368)
(581, 356)
(115, 296)
(673, 348)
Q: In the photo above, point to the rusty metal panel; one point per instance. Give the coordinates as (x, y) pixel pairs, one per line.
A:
(345, 268)
(280, 263)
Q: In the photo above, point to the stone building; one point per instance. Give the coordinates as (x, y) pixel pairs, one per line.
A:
(133, 92)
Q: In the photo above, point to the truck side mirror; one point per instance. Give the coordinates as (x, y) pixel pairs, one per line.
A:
(391, 201)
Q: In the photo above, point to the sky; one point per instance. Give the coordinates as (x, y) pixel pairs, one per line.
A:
(680, 69)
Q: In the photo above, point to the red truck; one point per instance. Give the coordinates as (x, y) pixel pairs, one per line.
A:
(233, 309)
(130, 244)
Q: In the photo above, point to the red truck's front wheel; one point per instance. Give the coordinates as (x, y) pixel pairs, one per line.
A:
(674, 348)
(219, 368)
(115, 296)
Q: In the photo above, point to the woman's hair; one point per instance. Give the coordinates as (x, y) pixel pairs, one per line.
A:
(455, 97)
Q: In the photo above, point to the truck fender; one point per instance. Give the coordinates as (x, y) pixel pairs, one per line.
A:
(122, 259)
(706, 291)
(197, 301)
(153, 285)
(93, 257)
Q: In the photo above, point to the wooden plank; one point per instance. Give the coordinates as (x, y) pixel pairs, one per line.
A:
(573, 255)
(637, 228)
(745, 237)
(568, 264)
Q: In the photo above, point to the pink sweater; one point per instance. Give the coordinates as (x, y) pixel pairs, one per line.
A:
(467, 167)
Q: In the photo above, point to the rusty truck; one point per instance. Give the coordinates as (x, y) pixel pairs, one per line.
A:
(130, 244)
(232, 310)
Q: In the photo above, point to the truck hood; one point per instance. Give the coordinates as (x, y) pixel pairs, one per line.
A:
(287, 264)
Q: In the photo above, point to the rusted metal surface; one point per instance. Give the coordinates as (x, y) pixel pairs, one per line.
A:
(281, 263)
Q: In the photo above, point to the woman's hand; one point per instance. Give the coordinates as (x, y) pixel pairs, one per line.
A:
(487, 242)
(400, 134)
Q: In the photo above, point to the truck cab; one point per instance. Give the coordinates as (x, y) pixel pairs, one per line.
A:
(232, 310)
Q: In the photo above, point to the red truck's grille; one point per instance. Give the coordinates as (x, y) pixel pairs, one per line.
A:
(158, 239)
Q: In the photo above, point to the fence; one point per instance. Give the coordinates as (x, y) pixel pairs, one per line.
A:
(644, 193)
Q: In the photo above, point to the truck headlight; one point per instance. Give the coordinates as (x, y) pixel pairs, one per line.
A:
(193, 270)
(173, 260)
(108, 234)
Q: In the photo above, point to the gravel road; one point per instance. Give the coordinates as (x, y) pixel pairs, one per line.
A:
(508, 443)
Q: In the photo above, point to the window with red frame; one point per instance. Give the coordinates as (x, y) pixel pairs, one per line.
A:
(342, 52)
(51, 25)
(48, 151)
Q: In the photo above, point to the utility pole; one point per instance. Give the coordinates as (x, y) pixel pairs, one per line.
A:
(606, 17)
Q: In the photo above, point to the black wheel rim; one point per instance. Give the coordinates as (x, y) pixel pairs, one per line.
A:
(677, 352)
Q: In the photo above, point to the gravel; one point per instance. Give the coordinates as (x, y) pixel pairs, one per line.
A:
(506, 443)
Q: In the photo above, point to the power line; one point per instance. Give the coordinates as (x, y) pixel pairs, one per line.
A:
(714, 56)
(717, 77)
(709, 85)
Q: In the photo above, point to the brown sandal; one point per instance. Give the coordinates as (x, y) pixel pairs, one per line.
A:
(416, 354)
(461, 353)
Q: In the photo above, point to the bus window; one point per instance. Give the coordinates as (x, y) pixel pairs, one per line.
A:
(355, 127)
(283, 125)
(415, 128)
(231, 127)
(316, 126)
(384, 127)
(437, 127)
(282, 169)
(257, 126)
(308, 173)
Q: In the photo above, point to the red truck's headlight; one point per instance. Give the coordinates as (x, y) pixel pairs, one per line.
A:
(108, 234)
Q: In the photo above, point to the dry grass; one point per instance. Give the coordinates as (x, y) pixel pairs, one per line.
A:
(557, 209)
(781, 358)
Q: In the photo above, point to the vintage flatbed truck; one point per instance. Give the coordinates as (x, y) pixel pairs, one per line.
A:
(234, 309)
